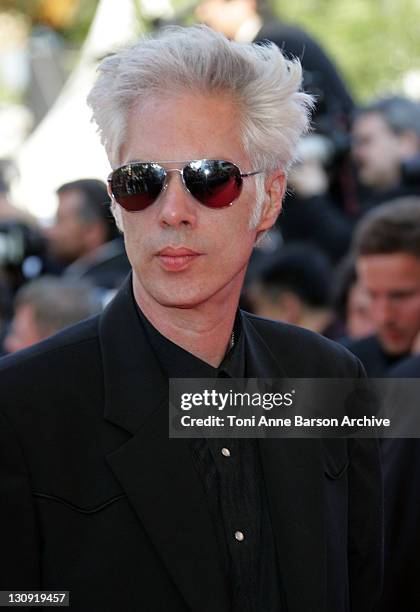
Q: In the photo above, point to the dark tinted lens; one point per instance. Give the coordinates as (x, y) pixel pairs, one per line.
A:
(214, 183)
(137, 186)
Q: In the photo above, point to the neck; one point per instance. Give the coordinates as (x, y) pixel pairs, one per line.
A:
(389, 182)
(204, 330)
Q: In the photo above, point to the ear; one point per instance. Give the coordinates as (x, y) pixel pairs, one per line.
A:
(275, 188)
(108, 188)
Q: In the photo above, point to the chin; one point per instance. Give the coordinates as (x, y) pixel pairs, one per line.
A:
(395, 349)
(169, 300)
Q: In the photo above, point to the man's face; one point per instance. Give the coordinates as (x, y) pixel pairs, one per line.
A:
(184, 128)
(377, 151)
(393, 284)
(66, 238)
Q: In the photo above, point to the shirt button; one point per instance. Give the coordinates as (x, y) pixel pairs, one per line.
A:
(239, 536)
(225, 452)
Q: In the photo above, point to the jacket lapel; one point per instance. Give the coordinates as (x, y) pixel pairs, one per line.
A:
(156, 472)
(293, 474)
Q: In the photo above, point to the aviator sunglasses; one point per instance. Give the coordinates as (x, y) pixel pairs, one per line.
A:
(214, 183)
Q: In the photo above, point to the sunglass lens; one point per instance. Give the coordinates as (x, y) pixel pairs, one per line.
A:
(214, 183)
(137, 186)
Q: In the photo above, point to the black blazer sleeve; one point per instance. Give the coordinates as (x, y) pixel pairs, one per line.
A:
(19, 539)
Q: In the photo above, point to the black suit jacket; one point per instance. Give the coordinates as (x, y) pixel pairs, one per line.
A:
(401, 460)
(96, 499)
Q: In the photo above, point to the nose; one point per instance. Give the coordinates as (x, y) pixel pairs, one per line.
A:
(177, 206)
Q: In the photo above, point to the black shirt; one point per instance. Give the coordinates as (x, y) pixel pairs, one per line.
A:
(232, 478)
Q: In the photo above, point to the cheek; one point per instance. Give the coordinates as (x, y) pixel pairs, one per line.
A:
(136, 231)
(411, 311)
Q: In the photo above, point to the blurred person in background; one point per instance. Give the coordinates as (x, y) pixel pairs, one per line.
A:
(386, 149)
(294, 286)
(310, 212)
(46, 305)
(387, 251)
(84, 238)
(22, 245)
(351, 301)
(254, 21)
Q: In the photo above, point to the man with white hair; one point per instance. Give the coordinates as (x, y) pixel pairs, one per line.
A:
(96, 499)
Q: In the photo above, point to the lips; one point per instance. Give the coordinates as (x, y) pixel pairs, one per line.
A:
(177, 259)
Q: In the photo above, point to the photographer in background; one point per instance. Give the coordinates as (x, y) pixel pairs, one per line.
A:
(23, 255)
(22, 245)
(314, 211)
(386, 149)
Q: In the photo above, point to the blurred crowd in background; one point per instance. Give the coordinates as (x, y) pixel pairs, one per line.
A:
(344, 257)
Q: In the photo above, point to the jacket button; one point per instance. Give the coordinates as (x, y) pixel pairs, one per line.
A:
(225, 452)
(239, 536)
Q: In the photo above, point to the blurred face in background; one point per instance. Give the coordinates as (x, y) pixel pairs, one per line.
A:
(379, 152)
(73, 236)
(225, 16)
(392, 282)
(67, 237)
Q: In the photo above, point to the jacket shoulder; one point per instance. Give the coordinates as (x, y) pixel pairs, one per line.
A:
(63, 341)
(56, 367)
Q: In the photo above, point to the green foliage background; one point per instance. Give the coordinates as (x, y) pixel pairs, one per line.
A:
(374, 42)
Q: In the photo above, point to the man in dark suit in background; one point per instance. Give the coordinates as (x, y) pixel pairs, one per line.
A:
(401, 461)
(387, 251)
(95, 497)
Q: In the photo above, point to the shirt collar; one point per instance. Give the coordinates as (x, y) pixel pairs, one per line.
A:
(176, 362)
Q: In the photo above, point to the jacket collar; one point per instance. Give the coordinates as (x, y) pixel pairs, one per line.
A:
(156, 472)
(133, 381)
